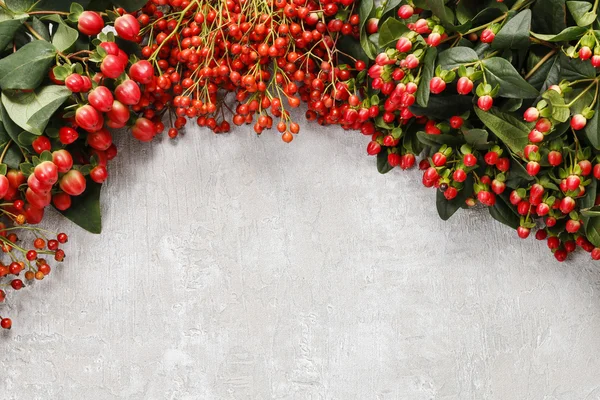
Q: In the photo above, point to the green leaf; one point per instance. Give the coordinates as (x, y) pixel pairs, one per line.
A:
(391, 31)
(592, 231)
(64, 37)
(19, 6)
(28, 67)
(568, 34)
(390, 5)
(366, 7)
(591, 212)
(427, 72)
(382, 163)
(547, 75)
(515, 33)
(440, 10)
(13, 155)
(592, 130)
(444, 106)
(130, 5)
(560, 110)
(549, 16)
(574, 69)
(580, 10)
(40, 28)
(439, 140)
(511, 130)
(456, 56)
(85, 209)
(499, 71)
(60, 5)
(476, 137)
(504, 213)
(13, 130)
(32, 110)
(8, 27)
(350, 46)
(588, 200)
(447, 208)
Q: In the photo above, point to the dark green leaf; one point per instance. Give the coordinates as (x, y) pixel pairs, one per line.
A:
(64, 37)
(504, 213)
(592, 231)
(85, 209)
(32, 110)
(28, 67)
(447, 208)
(546, 75)
(456, 56)
(440, 10)
(59, 5)
(40, 28)
(390, 31)
(8, 27)
(588, 200)
(444, 107)
(499, 71)
(382, 163)
(439, 140)
(568, 34)
(426, 75)
(130, 5)
(549, 16)
(574, 69)
(580, 10)
(350, 46)
(511, 130)
(560, 110)
(476, 137)
(592, 129)
(390, 5)
(13, 130)
(19, 6)
(366, 7)
(515, 33)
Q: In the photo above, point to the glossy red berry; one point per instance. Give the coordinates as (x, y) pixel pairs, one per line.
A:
(73, 183)
(142, 72)
(464, 85)
(99, 174)
(67, 135)
(127, 27)
(406, 11)
(41, 144)
(101, 99)
(143, 130)
(88, 118)
(6, 323)
(578, 122)
(128, 93)
(112, 66)
(90, 23)
(485, 102)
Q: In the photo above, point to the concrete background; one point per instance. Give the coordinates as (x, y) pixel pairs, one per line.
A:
(237, 267)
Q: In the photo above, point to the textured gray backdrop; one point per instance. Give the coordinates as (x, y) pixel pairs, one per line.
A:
(237, 267)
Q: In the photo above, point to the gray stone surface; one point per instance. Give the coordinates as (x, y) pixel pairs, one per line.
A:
(237, 267)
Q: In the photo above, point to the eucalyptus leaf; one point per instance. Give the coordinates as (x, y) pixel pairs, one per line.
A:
(28, 67)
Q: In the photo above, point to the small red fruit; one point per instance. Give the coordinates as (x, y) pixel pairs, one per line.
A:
(128, 93)
(127, 27)
(73, 183)
(90, 23)
(67, 135)
(578, 122)
(101, 99)
(464, 86)
(88, 118)
(142, 72)
(485, 102)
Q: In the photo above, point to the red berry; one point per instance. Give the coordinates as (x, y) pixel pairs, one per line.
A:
(485, 102)
(90, 23)
(373, 148)
(469, 160)
(531, 114)
(486, 198)
(437, 85)
(73, 183)
(62, 238)
(567, 205)
(487, 36)
(555, 158)
(142, 72)
(88, 118)
(75, 83)
(405, 11)
(47, 173)
(112, 66)
(127, 27)
(578, 122)
(6, 323)
(99, 174)
(533, 167)
(459, 175)
(118, 116)
(523, 232)
(67, 135)
(464, 86)
(143, 130)
(101, 99)
(456, 122)
(561, 255)
(100, 140)
(61, 201)
(128, 93)
(585, 53)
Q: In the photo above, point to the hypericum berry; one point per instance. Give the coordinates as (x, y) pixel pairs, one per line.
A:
(61, 201)
(88, 118)
(142, 72)
(437, 85)
(372, 25)
(555, 158)
(533, 167)
(450, 193)
(541, 234)
(503, 164)
(90, 23)
(560, 255)
(573, 182)
(127, 27)
(535, 136)
(464, 85)
(572, 226)
(567, 205)
(407, 161)
(438, 159)
(523, 232)
(373, 148)
(118, 115)
(406, 11)
(434, 39)
(486, 198)
(543, 125)
(101, 99)
(485, 102)
(523, 207)
(456, 122)
(469, 160)
(112, 66)
(596, 61)
(6, 323)
(542, 209)
(62, 238)
(41, 144)
(578, 122)
(128, 93)
(403, 45)
(75, 83)
(100, 140)
(143, 130)
(47, 173)
(585, 53)
(498, 187)
(596, 254)
(491, 158)
(67, 135)
(73, 183)
(99, 174)
(487, 36)
(459, 175)
(531, 114)
(530, 149)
